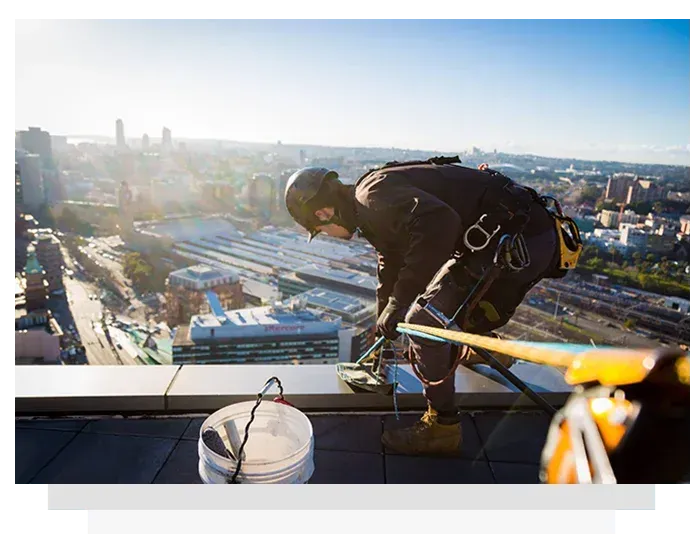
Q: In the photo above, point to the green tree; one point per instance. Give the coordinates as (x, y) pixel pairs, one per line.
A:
(596, 264)
(590, 193)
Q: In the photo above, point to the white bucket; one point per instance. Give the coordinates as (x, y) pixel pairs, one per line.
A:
(280, 447)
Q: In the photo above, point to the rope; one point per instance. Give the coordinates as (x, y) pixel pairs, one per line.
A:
(413, 363)
(394, 391)
(234, 478)
(580, 361)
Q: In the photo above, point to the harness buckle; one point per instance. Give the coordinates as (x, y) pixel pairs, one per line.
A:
(488, 236)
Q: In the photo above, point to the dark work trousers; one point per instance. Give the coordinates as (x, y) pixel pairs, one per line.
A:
(446, 292)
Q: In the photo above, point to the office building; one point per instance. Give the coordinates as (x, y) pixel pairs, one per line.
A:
(48, 252)
(53, 186)
(37, 141)
(14, 198)
(633, 237)
(145, 143)
(121, 140)
(266, 335)
(166, 144)
(358, 328)
(31, 178)
(188, 292)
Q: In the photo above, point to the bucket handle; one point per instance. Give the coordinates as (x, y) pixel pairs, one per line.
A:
(279, 399)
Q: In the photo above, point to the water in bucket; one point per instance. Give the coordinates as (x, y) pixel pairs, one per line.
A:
(279, 450)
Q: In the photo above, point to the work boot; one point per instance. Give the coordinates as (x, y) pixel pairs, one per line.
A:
(474, 359)
(432, 435)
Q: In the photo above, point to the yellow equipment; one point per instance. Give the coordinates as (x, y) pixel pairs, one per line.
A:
(569, 237)
(625, 423)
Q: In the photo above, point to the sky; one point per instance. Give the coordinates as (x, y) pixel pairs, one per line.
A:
(590, 89)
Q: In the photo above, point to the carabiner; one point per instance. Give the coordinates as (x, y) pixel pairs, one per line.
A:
(476, 226)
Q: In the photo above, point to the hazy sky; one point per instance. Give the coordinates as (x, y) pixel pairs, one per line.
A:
(617, 90)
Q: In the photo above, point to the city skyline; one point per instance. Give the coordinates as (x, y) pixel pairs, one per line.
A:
(616, 90)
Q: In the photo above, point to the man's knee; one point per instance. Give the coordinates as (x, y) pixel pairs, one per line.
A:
(418, 316)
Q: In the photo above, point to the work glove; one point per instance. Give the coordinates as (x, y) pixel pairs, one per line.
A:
(393, 314)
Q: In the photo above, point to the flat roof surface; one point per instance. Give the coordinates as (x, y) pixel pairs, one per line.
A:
(203, 272)
(333, 301)
(346, 277)
(499, 446)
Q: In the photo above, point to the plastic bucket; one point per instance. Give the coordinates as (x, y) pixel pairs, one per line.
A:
(280, 447)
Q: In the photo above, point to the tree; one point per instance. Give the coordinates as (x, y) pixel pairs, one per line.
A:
(590, 193)
(630, 323)
(640, 208)
(596, 264)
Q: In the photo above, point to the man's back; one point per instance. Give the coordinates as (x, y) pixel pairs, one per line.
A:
(390, 199)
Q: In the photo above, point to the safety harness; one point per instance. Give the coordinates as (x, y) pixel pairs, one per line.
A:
(506, 208)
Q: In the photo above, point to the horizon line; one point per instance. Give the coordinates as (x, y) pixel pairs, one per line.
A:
(290, 144)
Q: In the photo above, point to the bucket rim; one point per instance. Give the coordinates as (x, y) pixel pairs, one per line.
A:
(309, 444)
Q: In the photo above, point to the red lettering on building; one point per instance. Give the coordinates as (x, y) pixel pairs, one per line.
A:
(282, 328)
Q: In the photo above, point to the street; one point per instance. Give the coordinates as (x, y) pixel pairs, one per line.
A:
(76, 308)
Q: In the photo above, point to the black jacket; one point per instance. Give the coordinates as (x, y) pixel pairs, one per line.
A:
(415, 217)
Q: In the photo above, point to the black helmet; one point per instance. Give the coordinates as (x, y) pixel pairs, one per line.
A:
(302, 187)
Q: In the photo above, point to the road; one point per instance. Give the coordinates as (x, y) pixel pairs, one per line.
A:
(101, 251)
(86, 314)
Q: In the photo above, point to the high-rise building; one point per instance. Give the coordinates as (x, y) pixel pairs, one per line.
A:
(629, 188)
(121, 140)
(53, 186)
(145, 143)
(19, 199)
(37, 141)
(48, 252)
(125, 208)
(36, 288)
(618, 187)
(302, 157)
(12, 185)
(270, 335)
(644, 191)
(167, 141)
(188, 292)
(31, 178)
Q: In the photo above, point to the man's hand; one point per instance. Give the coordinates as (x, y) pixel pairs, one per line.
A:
(393, 314)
